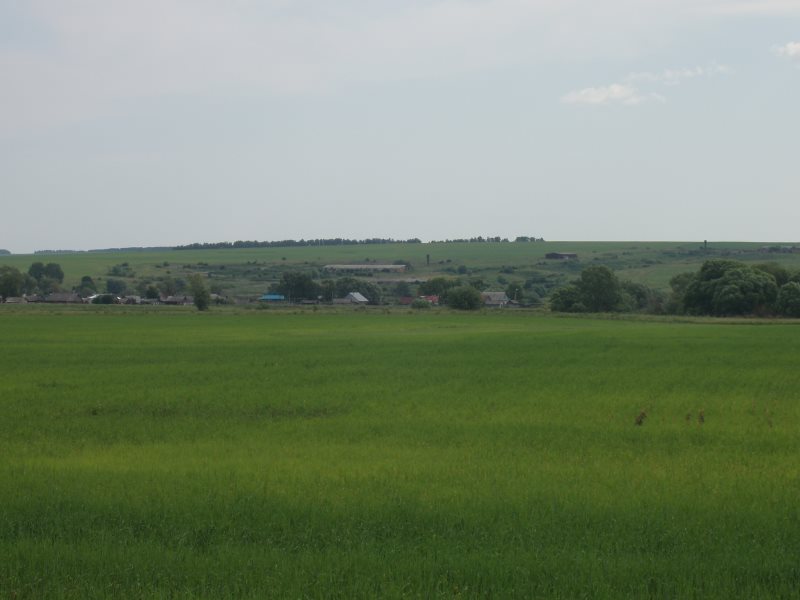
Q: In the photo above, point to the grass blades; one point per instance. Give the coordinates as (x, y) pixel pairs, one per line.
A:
(391, 455)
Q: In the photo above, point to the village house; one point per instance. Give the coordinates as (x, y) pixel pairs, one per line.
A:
(64, 298)
(495, 299)
(352, 298)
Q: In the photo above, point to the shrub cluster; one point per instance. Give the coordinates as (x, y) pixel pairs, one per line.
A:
(731, 288)
(720, 288)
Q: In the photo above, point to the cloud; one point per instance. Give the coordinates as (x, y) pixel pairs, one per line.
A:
(88, 56)
(790, 51)
(676, 76)
(776, 8)
(628, 92)
(616, 93)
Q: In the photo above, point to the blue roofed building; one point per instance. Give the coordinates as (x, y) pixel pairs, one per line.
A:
(272, 298)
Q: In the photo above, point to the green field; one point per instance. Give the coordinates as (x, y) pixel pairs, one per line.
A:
(361, 454)
(249, 272)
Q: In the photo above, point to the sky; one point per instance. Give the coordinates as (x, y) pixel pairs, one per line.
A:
(163, 122)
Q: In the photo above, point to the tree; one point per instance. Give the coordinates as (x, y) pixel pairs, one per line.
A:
(116, 286)
(464, 297)
(200, 293)
(298, 286)
(327, 289)
(679, 284)
(780, 274)
(699, 293)
(788, 303)
(11, 282)
(87, 286)
(151, 292)
(515, 292)
(48, 277)
(437, 286)
(402, 289)
(729, 288)
(599, 289)
(48, 285)
(54, 271)
(637, 297)
(371, 291)
(567, 299)
(744, 291)
(36, 270)
(478, 283)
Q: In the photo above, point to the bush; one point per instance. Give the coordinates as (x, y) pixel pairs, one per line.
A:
(419, 303)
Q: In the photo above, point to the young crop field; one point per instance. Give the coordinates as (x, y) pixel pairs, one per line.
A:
(363, 454)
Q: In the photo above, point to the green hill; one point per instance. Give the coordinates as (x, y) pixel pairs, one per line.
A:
(249, 272)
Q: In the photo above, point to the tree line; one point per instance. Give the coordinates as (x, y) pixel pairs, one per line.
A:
(489, 239)
(721, 288)
(342, 242)
(293, 243)
(40, 277)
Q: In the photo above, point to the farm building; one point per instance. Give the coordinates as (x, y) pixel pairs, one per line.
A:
(495, 299)
(272, 298)
(356, 298)
(561, 255)
(15, 300)
(64, 298)
(351, 298)
(366, 268)
(178, 300)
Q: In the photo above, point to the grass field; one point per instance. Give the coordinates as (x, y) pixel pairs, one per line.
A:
(363, 454)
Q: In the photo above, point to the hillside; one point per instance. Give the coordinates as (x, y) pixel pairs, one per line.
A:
(249, 272)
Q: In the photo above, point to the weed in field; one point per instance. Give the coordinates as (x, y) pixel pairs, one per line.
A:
(640, 419)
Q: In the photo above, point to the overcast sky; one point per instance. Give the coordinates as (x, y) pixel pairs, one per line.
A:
(160, 122)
